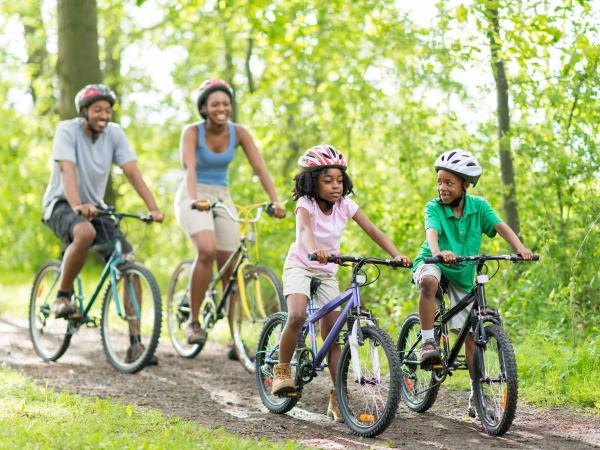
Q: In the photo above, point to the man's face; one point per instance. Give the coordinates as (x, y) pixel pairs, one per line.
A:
(99, 114)
(450, 186)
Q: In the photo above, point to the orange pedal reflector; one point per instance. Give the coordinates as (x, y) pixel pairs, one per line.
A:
(438, 366)
(366, 418)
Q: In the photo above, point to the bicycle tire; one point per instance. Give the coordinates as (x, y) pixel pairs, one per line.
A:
(495, 382)
(50, 337)
(365, 413)
(264, 298)
(178, 310)
(414, 379)
(115, 330)
(267, 355)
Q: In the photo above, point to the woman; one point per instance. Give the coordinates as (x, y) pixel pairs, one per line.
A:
(206, 150)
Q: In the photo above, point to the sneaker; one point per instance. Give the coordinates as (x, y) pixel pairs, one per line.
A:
(471, 408)
(282, 379)
(194, 333)
(232, 354)
(62, 308)
(429, 354)
(134, 352)
(333, 408)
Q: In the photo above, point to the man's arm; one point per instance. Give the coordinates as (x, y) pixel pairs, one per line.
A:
(134, 175)
(68, 177)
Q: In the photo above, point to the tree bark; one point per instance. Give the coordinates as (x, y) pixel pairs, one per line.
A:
(509, 194)
(78, 62)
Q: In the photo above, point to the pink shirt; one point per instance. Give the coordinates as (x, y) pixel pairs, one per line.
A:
(327, 229)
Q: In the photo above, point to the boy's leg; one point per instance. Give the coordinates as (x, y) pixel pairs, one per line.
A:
(427, 278)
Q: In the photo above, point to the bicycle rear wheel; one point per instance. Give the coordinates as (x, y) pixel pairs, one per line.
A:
(267, 355)
(50, 336)
(495, 383)
(178, 310)
(419, 388)
(264, 298)
(131, 308)
(369, 403)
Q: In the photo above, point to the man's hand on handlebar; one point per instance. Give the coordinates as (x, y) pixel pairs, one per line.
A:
(86, 210)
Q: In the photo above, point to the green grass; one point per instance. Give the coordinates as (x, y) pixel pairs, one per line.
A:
(32, 416)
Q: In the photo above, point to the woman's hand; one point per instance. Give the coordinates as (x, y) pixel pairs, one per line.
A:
(447, 256)
(157, 215)
(404, 259)
(279, 212)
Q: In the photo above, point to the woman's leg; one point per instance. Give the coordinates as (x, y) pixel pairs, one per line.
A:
(205, 244)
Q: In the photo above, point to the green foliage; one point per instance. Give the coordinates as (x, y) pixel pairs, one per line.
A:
(39, 417)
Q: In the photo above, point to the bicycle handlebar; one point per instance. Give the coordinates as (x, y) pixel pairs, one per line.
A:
(362, 260)
(146, 218)
(480, 258)
(205, 205)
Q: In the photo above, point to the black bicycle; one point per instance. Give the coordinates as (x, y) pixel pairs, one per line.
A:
(495, 383)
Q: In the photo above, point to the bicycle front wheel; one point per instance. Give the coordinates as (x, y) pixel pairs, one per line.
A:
(131, 316)
(419, 388)
(264, 297)
(367, 383)
(267, 355)
(495, 383)
(50, 336)
(178, 310)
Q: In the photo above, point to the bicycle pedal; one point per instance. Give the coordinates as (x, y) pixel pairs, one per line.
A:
(437, 366)
(287, 394)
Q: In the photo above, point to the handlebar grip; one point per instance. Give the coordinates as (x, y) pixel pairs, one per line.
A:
(201, 205)
(270, 209)
(535, 258)
(433, 260)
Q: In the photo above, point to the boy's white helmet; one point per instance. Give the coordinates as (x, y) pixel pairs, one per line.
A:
(461, 163)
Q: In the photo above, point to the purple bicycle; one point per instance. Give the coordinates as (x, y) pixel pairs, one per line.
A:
(368, 385)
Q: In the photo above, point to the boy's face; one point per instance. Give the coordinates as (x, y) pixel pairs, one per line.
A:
(450, 187)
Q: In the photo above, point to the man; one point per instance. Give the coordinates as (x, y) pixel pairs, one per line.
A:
(83, 153)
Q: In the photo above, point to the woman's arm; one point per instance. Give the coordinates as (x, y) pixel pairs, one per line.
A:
(378, 236)
(260, 169)
(187, 155)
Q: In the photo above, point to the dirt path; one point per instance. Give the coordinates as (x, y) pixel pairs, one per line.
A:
(217, 392)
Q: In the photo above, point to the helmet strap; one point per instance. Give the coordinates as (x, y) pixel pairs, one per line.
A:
(456, 202)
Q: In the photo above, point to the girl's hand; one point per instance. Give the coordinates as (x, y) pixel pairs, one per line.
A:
(447, 256)
(524, 252)
(322, 255)
(404, 259)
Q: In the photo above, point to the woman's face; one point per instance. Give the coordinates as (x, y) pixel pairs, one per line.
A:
(218, 107)
(330, 185)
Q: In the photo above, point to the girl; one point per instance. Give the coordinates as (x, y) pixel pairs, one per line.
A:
(206, 149)
(322, 211)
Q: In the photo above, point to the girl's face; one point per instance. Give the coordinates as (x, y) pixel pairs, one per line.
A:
(218, 107)
(450, 187)
(330, 185)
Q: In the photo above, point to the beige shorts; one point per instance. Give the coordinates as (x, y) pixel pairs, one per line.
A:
(455, 293)
(296, 280)
(227, 231)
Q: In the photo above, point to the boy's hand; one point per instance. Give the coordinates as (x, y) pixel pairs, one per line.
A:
(524, 252)
(447, 256)
(404, 259)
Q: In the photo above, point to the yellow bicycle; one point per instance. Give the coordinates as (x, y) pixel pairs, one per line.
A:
(253, 291)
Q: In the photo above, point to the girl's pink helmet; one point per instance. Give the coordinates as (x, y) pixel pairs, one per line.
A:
(320, 157)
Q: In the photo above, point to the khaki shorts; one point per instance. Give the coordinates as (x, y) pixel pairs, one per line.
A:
(217, 220)
(296, 280)
(455, 293)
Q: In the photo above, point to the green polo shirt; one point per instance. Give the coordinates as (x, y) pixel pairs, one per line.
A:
(462, 236)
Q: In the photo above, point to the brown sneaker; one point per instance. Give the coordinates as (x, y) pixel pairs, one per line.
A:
(62, 308)
(333, 409)
(135, 351)
(429, 354)
(194, 333)
(282, 379)
(471, 409)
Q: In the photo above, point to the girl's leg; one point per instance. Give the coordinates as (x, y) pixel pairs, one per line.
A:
(296, 305)
(333, 356)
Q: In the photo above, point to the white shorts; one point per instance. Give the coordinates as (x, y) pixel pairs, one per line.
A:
(227, 231)
(296, 280)
(455, 293)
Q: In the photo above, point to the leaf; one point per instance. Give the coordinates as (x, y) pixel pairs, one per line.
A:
(129, 410)
(461, 13)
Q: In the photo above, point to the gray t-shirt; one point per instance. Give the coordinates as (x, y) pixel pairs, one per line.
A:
(93, 161)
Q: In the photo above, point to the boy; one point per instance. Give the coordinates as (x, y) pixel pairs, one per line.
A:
(454, 223)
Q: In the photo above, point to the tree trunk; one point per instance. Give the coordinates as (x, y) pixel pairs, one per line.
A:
(78, 62)
(509, 194)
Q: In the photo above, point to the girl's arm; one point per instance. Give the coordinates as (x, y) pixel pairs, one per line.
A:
(379, 237)
(308, 237)
(509, 236)
(187, 155)
(260, 169)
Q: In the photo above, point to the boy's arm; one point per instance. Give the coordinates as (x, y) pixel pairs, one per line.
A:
(134, 175)
(509, 236)
(431, 235)
(379, 237)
